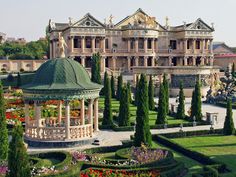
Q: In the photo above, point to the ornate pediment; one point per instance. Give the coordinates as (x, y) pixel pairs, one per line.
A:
(139, 19)
(88, 21)
(200, 25)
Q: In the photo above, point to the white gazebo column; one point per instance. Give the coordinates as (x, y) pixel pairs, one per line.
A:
(59, 107)
(82, 58)
(26, 114)
(38, 117)
(96, 115)
(90, 115)
(67, 117)
(82, 112)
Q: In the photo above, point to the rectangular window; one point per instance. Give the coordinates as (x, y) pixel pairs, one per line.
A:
(198, 44)
(188, 44)
(88, 43)
(173, 44)
(149, 45)
(107, 44)
(79, 43)
(75, 42)
(141, 44)
(97, 43)
(132, 44)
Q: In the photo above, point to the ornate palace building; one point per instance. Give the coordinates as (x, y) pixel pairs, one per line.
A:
(136, 41)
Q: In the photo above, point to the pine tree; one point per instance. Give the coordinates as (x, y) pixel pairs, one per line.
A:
(18, 84)
(107, 113)
(95, 69)
(162, 114)
(18, 160)
(124, 113)
(181, 106)
(198, 101)
(3, 127)
(151, 103)
(129, 92)
(119, 87)
(113, 92)
(229, 123)
(166, 88)
(142, 129)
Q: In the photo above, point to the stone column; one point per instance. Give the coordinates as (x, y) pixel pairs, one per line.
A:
(90, 115)
(194, 45)
(96, 115)
(211, 60)
(103, 64)
(114, 63)
(170, 61)
(185, 61)
(153, 45)
(82, 111)
(93, 44)
(211, 46)
(104, 45)
(136, 45)
(136, 61)
(194, 61)
(145, 45)
(82, 43)
(156, 45)
(202, 60)
(71, 44)
(128, 45)
(145, 61)
(129, 62)
(38, 117)
(185, 45)
(203, 45)
(59, 107)
(82, 58)
(26, 114)
(67, 117)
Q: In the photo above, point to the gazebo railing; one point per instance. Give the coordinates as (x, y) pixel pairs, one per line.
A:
(59, 133)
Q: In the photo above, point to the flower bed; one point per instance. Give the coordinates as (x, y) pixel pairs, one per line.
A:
(118, 173)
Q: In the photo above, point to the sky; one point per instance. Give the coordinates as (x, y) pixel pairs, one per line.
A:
(29, 18)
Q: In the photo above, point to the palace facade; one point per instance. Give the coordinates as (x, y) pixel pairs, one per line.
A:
(137, 40)
(139, 44)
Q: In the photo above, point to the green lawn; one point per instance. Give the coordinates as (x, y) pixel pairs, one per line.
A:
(152, 114)
(220, 148)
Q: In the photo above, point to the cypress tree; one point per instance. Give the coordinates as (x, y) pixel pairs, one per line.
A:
(151, 103)
(18, 84)
(119, 87)
(18, 160)
(103, 91)
(129, 92)
(162, 114)
(233, 70)
(229, 123)
(142, 129)
(166, 92)
(113, 94)
(3, 127)
(193, 109)
(95, 69)
(198, 101)
(124, 113)
(136, 92)
(181, 106)
(107, 113)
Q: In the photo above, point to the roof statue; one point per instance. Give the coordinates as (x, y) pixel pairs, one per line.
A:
(52, 24)
(70, 21)
(167, 22)
(111, 19)
(62, 45)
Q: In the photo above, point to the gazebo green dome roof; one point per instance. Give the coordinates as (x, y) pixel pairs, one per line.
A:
(61, 78)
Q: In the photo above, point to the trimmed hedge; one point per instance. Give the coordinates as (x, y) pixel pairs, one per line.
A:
(207, 172)
(65, 159)
(193, 133)
(201, 158)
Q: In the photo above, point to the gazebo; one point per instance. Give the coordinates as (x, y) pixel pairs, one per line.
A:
(62, 80)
